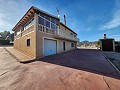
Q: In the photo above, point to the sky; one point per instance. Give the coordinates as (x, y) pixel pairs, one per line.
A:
(90, 19)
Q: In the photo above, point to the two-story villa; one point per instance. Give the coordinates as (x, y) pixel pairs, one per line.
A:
(40, 34)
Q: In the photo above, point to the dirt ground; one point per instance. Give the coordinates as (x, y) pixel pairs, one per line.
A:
(74, 70)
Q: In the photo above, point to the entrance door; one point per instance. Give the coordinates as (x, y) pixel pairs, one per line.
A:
(64, 45)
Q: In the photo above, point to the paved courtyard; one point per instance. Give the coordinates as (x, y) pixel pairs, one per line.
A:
(80, 69)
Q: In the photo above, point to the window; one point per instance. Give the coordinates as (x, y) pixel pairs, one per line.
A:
(42, 15)
(18, 32)
(47, 24)
(52, 20)
(71, 34)
(72, 44)
(74, 35)
(29, 24)
(28, 42)
(40, 20)
(52, 26)
(48, 18)
(56, 22)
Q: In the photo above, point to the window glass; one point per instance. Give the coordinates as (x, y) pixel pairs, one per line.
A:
(71, 34)
(29, 24)
(52, 20)
(72, 44)
(28, 42)
(47, 24)
(40, 20)
(42, 15)
(48, 18)
(18, 32)
(56, 22)
(74, 35)
(56, 27)
(52, 26)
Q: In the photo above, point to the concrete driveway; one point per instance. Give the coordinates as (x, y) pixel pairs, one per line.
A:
(75, 70)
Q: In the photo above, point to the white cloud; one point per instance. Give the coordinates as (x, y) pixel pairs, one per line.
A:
(10, 12)
(115, 22)
(116, 37)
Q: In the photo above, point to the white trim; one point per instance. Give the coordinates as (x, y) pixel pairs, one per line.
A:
(17, 38)
(25, 34)
(23, 30)
(46, 33)
(47, 20)
(28, 22)
(28, 33)
(28, 28)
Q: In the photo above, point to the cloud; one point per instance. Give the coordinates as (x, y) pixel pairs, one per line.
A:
(10, 12)
(115, 21)
(117, 37)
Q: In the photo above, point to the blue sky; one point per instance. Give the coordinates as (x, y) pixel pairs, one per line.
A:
(89, 18)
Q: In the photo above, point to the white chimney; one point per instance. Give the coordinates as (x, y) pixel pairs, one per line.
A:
(105, 36)
(64, 19)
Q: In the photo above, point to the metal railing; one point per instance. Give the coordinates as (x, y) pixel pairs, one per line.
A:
(59, 32)
(46, 29)
(66, 34)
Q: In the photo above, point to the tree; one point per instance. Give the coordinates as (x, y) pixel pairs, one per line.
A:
(98, 44)
(5, 35)
(12, 37)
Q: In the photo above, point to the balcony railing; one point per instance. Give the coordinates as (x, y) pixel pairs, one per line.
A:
(58, 33)
(45, 29)
(66, 35)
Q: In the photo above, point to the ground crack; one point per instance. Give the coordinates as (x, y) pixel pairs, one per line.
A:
(107, 83)
(4, 73)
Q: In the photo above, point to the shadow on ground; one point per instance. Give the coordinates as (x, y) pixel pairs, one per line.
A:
(84, 59)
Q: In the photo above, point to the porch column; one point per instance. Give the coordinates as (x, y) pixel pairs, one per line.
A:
(113, 45)
(36, 21)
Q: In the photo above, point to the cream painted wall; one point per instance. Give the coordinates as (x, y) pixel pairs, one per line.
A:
(40, 44)
(21, 44)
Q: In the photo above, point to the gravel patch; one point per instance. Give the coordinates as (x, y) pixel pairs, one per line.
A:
(114, 57)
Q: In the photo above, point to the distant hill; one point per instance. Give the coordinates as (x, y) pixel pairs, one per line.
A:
(87, 43)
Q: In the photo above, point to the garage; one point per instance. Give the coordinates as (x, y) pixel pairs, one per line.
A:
(50, 47)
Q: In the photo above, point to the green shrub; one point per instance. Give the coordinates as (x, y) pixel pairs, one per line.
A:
(4, 42)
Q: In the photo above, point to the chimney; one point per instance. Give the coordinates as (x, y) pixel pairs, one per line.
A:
(104, 36)
(64, 19)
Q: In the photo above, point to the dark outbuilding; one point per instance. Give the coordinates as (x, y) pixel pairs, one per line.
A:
(107, 44)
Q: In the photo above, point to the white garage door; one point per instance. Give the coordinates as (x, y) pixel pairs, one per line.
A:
(49, 47)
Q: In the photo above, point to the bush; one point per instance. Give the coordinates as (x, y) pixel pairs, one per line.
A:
(117, 48)
(4, 42)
